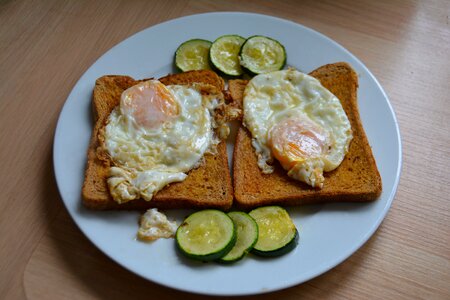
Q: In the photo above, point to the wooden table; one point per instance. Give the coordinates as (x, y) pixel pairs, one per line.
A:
(45, 46)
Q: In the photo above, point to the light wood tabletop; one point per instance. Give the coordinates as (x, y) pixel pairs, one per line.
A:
(45, 47)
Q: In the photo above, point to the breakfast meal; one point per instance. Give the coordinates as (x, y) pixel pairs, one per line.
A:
(161, 144)
(356, 179)
(138, 147)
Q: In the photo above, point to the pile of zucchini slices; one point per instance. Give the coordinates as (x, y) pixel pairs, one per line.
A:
(212, 235)
(232, 55)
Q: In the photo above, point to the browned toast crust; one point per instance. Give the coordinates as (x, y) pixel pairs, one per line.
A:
(356, 180)
(206, 186)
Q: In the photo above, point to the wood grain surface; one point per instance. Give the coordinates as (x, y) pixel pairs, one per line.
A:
(45, 46)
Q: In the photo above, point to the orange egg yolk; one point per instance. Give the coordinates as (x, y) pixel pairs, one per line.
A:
(297, 138)
(150, 103)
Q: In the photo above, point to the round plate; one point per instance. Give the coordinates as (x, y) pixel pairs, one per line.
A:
(328, 233)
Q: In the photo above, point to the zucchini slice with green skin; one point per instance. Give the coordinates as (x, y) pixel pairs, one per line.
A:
(247, 235)
(193, 55)
(224, 54)
(206, 235)
(261, 54)
(277, 233)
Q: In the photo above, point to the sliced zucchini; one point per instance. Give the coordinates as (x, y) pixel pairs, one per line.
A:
(193, 55)
(224, 54)
(247, 235)
(277, 233)
(206, 235)
(260, 54)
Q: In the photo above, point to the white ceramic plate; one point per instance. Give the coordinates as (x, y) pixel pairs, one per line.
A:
(328, 233)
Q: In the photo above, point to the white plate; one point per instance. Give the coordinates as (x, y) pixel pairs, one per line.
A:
(328, 233)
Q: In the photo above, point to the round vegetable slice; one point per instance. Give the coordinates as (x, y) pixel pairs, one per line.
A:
(224, 54)
(277, 233)
(193, 55)
(206, 235)
(261, 54)
(247, 235)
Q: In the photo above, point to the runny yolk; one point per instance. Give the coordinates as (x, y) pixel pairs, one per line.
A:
(150, 103)
(295, 139)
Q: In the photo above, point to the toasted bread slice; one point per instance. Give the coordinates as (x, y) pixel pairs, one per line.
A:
(356, 180)
(209, 185)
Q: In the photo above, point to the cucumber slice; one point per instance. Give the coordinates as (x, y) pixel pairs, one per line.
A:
(193, 55)
(277, 232)
(224, 54)
(260, 54)
(206, 235)
(247, 235)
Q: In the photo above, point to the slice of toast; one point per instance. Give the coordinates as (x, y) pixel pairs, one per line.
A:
(209, 185)
(356, 180)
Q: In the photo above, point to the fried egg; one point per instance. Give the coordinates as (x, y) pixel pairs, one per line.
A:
(297, 121)
(156, 135)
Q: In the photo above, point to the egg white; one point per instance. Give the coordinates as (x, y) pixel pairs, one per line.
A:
(272, 97)
(146, 160)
